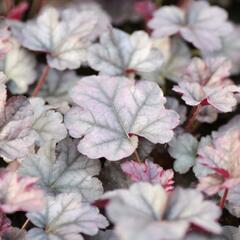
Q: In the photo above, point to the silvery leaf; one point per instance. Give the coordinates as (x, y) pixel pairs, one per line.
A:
(119, 53)
(47, 123)
(16, 135)
(112, 112)
(65, 217)
(183, 149)
(138, 213)
(62, 34)
(70, 172)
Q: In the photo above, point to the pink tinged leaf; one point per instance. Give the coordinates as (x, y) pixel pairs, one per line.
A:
(16, 136)
(222, 97)
(145, 9)
(5, 223)
(206, 82)
(201, 24)
(222, 156)
(5, 39)
(149, 172)
(192, 93)
(207, 114)
(19, 193)
(112, 112)
(18, 11)
(211, 184)
(166, 21)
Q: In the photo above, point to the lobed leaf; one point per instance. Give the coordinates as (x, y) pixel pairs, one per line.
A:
(119, 53)
(200, 24)
(112, 112)
(70, 172)
(62, 34)
(65, 217)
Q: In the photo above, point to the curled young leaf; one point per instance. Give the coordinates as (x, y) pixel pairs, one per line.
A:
(62, 34)
(70, 172)
(65, 217)
(149, 172)
(112, 112)
(119, 53)
(17, 12)
(200, 24)
(205, 82)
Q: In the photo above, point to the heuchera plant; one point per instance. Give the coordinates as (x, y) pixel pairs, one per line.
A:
(119, 120)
